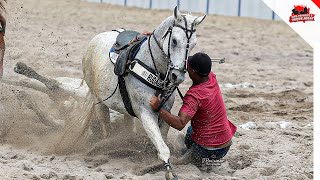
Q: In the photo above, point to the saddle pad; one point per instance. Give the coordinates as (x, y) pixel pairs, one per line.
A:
(113, 55)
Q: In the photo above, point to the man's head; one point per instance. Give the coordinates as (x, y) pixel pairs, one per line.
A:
(200, 63)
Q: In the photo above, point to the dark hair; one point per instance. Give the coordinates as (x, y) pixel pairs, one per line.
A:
(201, 63)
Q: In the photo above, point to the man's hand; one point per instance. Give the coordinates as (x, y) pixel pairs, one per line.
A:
(177, 122)
(155, 102)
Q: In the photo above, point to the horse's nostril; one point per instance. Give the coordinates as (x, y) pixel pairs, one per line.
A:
(174, 77)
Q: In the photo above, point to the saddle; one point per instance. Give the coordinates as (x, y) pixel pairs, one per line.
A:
(125, 48)
(124, 38)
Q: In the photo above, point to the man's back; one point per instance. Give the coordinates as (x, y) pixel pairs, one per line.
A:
(205, 104)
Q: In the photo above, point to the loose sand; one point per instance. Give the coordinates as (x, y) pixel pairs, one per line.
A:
(267, 77)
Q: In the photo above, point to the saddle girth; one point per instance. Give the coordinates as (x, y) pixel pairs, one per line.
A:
(125, 96)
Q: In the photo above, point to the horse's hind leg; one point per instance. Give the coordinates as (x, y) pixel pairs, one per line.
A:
(59, 89)
(31, 104)
(23, 69)
(27, 84)
(56, 93)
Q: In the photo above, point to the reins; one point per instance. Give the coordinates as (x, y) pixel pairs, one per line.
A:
(114, 91)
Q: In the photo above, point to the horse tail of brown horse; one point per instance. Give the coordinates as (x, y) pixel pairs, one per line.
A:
(2, 32)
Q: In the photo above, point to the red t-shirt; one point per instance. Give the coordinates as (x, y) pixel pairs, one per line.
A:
(210, 124)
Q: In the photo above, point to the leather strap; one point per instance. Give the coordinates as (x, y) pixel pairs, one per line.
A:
(125, 96)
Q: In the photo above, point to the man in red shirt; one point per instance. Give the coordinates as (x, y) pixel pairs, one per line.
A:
(209, 136)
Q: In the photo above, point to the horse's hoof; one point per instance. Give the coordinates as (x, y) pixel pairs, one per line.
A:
(171, 176)
(22, 68)
(19, 67)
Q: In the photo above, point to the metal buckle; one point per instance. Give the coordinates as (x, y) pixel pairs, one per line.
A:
(132, 64)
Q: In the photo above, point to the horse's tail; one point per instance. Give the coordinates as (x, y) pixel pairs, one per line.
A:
(75, 133)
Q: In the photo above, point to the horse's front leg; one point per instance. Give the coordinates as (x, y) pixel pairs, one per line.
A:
(164, 129)
(164, 126)
(150, 123)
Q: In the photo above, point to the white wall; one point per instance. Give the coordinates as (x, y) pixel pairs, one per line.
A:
(139, 3)
(94, 1)
(117, 2)
(193, 6)
(224, 7)
(163, 4)
(255, 8)
(248, 8)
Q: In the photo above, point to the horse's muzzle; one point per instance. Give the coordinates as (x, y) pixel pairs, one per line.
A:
(177, 77)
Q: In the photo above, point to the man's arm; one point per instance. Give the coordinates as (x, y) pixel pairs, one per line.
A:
(177, 122)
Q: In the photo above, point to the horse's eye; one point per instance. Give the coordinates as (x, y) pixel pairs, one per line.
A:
(174, 42)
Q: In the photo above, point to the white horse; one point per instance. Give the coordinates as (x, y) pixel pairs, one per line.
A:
(165, 51)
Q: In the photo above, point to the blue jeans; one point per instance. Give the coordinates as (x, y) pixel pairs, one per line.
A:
(202, 153)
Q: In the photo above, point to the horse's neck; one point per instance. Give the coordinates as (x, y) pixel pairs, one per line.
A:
(163, 27)
(160, 60)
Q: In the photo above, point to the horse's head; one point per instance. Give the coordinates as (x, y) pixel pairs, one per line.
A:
(179, 40)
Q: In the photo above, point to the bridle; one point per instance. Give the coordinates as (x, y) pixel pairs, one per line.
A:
(170, 88)
(170, 66)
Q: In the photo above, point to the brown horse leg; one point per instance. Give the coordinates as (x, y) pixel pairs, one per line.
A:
(2, 32)
(2, 49)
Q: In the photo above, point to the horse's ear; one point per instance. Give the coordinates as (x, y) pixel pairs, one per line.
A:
(177, 14)
(199, 20)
